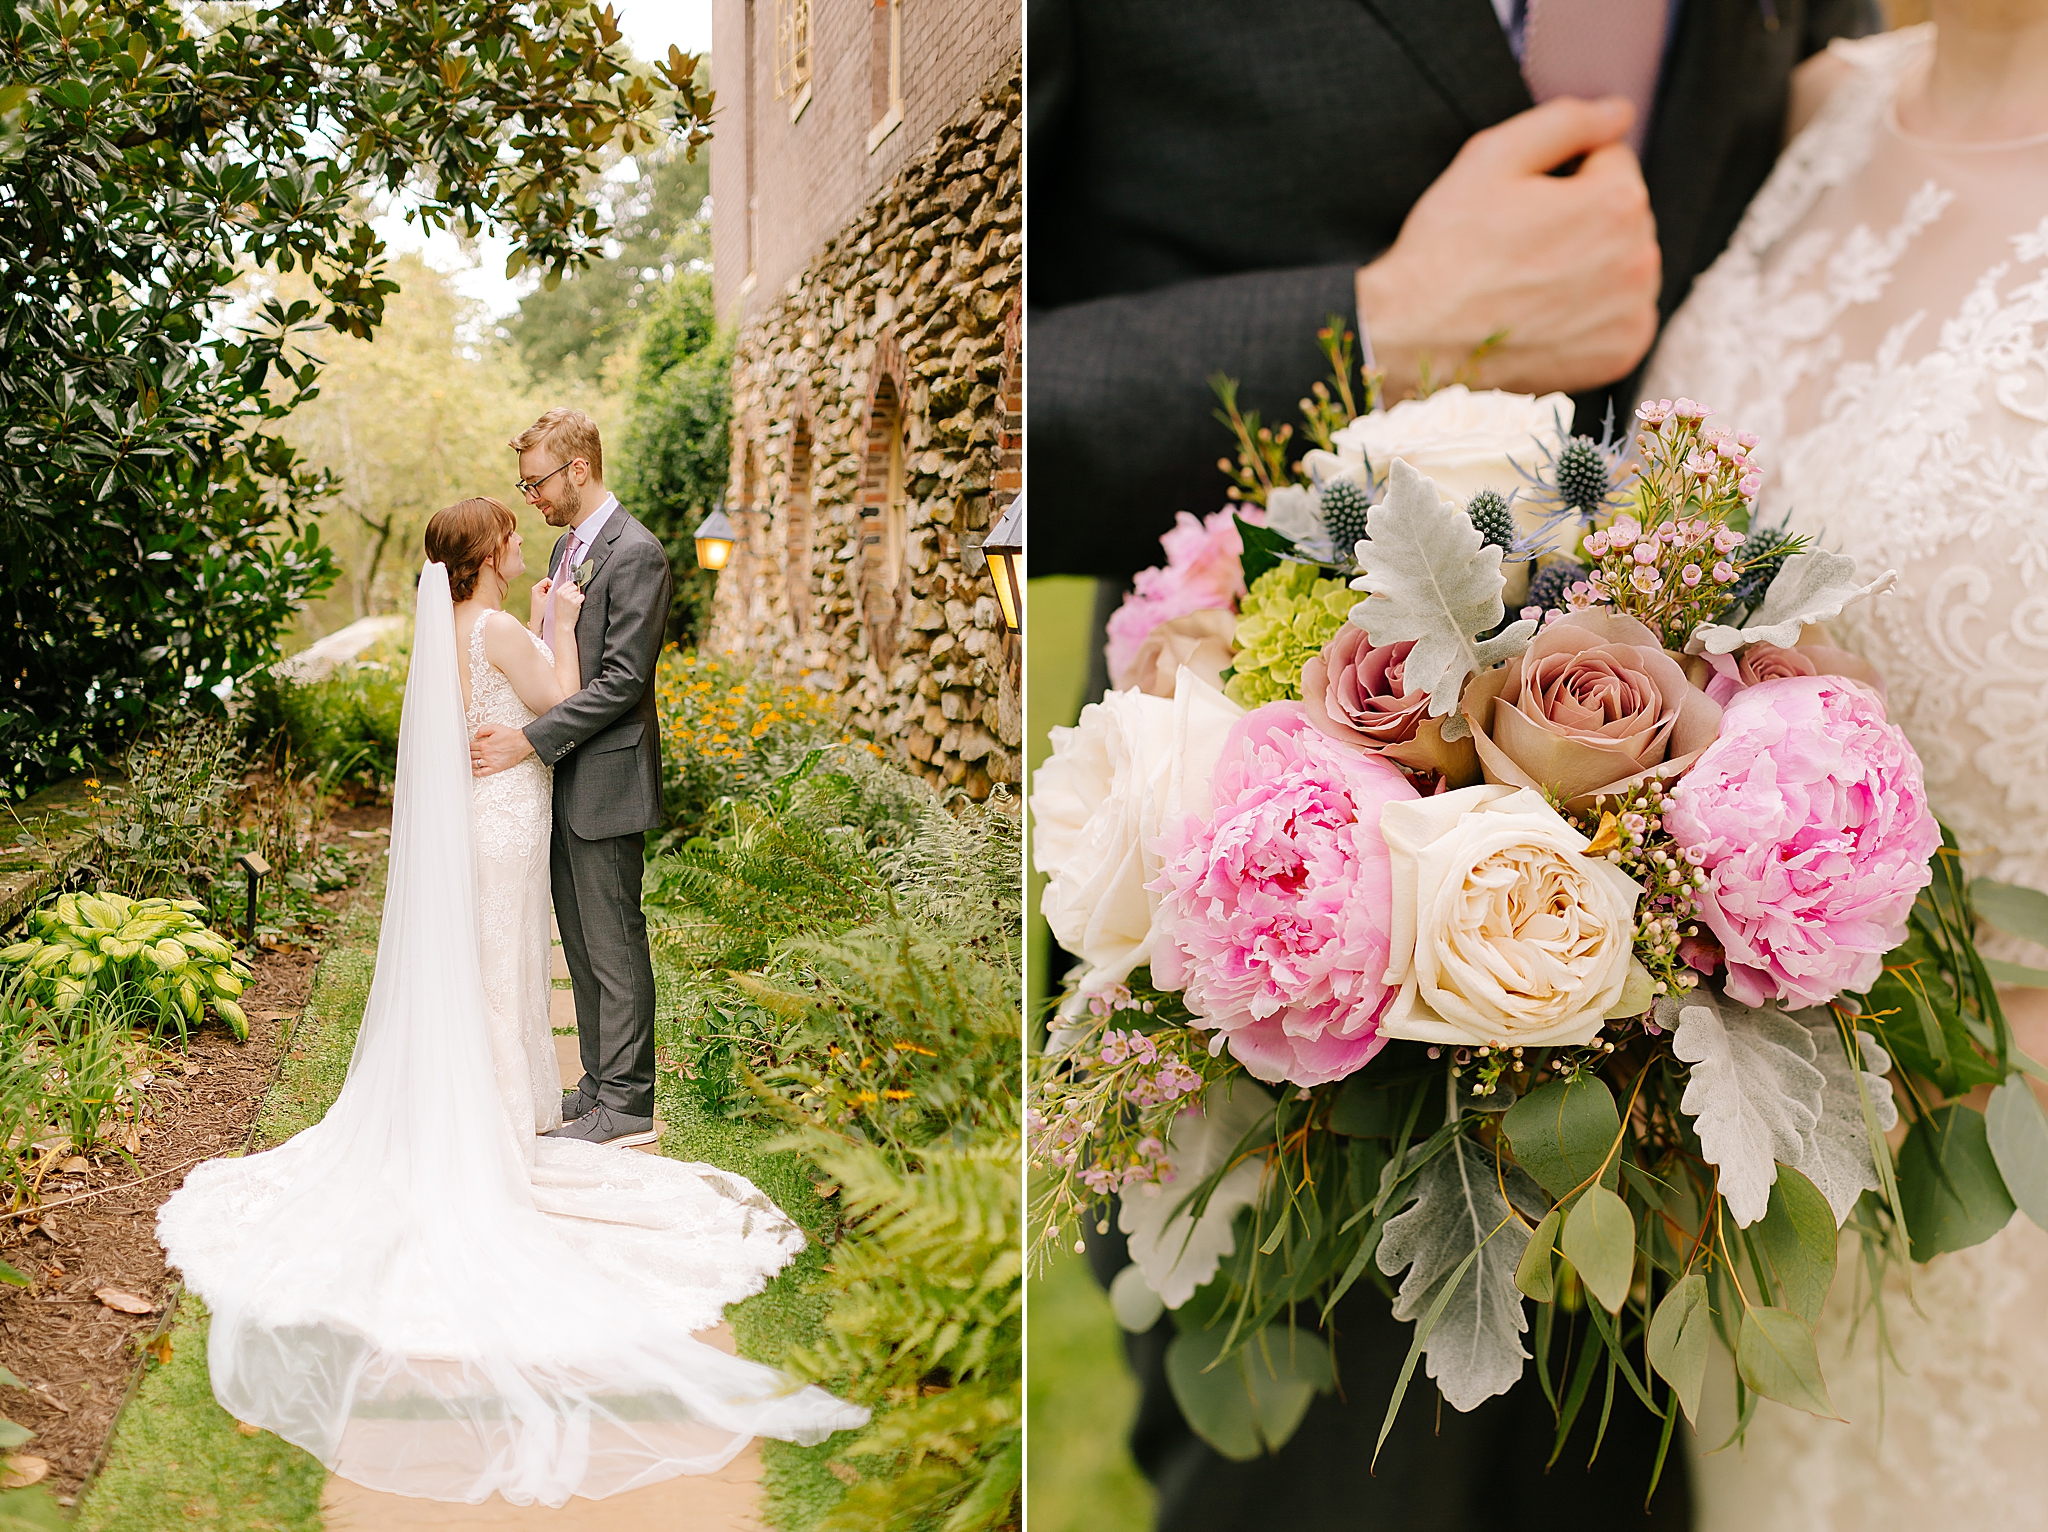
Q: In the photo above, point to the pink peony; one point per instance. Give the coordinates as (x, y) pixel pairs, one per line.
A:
(1202, 573)
(1810, 818)
(1275, 913)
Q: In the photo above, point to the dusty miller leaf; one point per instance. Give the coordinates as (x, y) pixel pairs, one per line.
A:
(1838, 1158)
(1475, 1351)
(1430, 577)
(1754, 1095)
(1812, 587)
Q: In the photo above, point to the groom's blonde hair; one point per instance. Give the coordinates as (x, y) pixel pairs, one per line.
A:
(568, 434)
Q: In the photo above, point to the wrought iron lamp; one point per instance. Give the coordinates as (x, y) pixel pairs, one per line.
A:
(715, 537)
(1004, 550)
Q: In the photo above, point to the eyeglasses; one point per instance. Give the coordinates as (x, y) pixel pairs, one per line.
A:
(526, 487)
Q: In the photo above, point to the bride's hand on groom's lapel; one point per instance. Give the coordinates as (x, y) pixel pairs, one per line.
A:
(494, 748)
(537, 603)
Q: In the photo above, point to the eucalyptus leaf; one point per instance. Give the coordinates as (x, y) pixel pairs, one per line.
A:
(1536, 1272)
(1253, 1400)
(1839, 1156)
(1681, 1335)
(1600, 1242)
(1754, 1095)
(2017, 1131)
(1475, 1349)
(1430, 577)
(1796, 1239)
(1775, 1356)
(1949, 1182)
(1563, 1131)
(2017, 911)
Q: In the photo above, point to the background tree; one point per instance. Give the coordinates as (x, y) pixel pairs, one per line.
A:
(661, 230)
(162, 523)
(677, 443)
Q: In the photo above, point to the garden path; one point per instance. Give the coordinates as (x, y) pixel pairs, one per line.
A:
(727, 1501)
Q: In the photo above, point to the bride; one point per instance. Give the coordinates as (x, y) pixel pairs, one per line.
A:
(1881, 321)
(419, 1290)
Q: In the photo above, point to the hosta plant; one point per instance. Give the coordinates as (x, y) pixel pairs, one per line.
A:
(158, 947)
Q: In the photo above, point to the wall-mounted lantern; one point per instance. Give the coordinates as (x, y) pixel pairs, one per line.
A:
(1004, 550)
(715, 537)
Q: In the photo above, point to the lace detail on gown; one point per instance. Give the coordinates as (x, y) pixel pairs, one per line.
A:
(1880, 319)
(514, 814)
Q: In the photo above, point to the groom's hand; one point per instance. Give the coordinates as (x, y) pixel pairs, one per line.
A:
(1566, 264)
(494, 747)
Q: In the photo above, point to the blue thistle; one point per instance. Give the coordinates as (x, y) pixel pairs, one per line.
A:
(1489, 512)
(1547, 588)
(1344, 506)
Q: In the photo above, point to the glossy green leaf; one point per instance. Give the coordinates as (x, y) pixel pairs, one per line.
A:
(2017, 1131)
(1563, 1131)
(1681, 1335)
(1796, 1239)
(1775, 1356)
(1536, 1273)
(1600, 1242)
(12, 1434)
(1954, 1196)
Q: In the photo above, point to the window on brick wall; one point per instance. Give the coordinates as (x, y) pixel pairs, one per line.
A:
(793, 54)
(885, 71)
(884, 497)
(796, 528)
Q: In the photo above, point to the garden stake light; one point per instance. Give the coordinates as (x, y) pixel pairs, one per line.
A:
(252, 863)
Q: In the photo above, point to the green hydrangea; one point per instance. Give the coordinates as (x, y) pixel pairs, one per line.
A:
(1284, 621)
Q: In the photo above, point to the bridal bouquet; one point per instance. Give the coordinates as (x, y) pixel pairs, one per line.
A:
(1489, 884)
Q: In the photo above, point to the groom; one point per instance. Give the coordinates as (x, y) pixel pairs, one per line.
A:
(604, 745)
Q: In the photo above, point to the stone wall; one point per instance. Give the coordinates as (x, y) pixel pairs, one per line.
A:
(876, 409)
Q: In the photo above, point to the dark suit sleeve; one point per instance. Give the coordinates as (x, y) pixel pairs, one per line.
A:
(639, 575)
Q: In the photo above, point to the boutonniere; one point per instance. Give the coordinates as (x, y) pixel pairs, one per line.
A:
(582, 572)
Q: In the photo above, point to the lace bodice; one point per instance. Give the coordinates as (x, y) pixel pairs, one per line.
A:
(1881, 321)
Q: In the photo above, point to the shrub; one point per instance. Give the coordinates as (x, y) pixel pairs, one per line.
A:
(157, 950)
(344, 727)
(728, 735)
(175, 815)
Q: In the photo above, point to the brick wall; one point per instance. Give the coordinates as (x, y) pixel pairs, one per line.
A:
(781, 188)
(898, 336)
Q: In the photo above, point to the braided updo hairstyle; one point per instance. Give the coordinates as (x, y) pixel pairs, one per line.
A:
(466, 536)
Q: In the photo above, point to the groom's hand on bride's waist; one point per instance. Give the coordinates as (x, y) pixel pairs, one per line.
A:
(494, 747)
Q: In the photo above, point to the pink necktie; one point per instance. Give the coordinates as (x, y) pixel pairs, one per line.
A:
(1593, 48)
(547, 618)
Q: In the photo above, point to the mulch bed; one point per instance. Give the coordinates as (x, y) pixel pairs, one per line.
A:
(75, 1353)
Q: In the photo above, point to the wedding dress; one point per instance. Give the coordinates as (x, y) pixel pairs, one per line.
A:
(1881, 321)
(419, 1290)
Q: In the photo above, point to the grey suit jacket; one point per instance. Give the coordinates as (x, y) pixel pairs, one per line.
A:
(604, 742)
(1204, 177)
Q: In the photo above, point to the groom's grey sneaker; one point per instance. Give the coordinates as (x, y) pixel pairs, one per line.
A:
(574, 1104)
(601, 1125)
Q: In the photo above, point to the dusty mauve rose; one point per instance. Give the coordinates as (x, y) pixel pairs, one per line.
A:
(1768, 662)
(1504, 930)
(1592, 706)
(1200, 641)
(1358, 695)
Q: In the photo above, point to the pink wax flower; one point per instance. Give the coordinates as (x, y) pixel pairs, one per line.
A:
(1275, 912)
(1201, 574)
(1809, 815)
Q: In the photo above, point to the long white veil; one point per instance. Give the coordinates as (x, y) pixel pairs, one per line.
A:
(399, 1292)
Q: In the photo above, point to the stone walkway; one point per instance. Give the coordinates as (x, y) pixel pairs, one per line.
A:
(727, 1501)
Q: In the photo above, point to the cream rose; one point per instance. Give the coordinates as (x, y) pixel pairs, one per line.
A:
(1200, 641)
(1504, 931)
(1132, 766)
(1465, 442)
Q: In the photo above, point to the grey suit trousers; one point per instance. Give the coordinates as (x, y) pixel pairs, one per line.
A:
(596, 886)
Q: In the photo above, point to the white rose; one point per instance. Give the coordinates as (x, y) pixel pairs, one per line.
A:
(1177, 1257)
(1465, 442)
(1130, 768)
(1504, 931)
